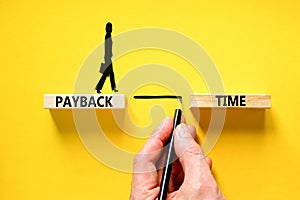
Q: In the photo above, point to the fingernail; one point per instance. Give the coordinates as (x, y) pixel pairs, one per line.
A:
(162, 124)
(183, 131)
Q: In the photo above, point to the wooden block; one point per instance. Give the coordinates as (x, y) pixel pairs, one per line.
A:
(261, 101)
(84, 101)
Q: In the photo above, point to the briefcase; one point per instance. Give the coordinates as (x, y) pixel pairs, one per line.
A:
(102, 68)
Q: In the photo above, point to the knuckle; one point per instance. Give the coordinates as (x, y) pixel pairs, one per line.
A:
(210, 187)
(137, 158)
(137, 161)
(194, 150)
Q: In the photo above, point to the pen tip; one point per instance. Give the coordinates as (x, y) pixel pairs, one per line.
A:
(179, 104)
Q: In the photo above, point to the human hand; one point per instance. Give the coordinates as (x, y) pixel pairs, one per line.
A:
(191, 177)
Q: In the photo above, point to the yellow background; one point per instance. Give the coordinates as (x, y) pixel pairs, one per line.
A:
(254, 44)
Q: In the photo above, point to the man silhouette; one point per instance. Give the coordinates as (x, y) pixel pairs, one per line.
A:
(108, 63)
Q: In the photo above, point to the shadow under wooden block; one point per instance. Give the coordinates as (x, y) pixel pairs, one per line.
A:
(63, 119)
(235, 119)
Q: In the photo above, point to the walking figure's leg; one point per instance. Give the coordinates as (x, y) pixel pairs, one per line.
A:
(102, 80)
(112, 79)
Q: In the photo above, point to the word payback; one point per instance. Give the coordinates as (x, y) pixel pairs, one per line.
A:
(84, 101)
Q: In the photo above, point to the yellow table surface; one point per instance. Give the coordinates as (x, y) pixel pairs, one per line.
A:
(254, 44)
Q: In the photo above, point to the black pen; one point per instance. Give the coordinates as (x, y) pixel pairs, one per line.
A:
(170, 157)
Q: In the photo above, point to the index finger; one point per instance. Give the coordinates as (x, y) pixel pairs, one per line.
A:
(158, 137)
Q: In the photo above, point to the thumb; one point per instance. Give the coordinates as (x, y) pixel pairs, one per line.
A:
(190, 154)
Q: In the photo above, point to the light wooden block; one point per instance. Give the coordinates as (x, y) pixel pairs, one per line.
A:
(259, 101)
(84, 101)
